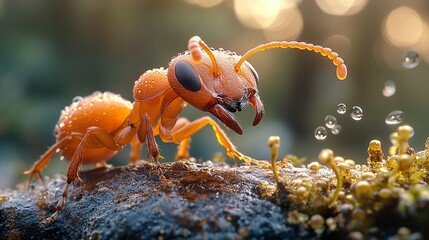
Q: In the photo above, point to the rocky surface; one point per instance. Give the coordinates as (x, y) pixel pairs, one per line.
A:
(128, 202)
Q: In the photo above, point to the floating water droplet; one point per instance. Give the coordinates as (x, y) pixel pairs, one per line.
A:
(410, 59)
(330, 121)
(77, 99)
(356, 113)
(336, 129)
(389, 88)
(341, 108)
(320, 133)
(394, 117)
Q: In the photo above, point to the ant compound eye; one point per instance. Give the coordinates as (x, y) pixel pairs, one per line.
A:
(187, 76)
(255, 74)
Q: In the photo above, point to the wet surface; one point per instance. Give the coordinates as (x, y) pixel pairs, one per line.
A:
(131, 202)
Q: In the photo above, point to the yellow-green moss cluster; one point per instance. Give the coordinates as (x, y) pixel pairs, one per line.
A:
(351, 195)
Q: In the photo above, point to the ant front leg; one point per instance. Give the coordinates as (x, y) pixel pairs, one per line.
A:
(180, 130)
(183, 133)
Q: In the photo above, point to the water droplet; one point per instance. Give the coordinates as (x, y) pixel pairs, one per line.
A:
(62, 158)
(410, 59)
(77, 99)
(394, 117)
(336, 129)
(356, 113)
(389, 88)
(320, 133)
(341, 108)
(330, 121)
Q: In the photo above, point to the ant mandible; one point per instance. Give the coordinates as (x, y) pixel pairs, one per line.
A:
(95, 128)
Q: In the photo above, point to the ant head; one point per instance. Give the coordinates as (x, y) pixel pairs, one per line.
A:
(210, 82)
(220, 82)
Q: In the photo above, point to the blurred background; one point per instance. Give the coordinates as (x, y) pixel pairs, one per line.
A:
(52, 51)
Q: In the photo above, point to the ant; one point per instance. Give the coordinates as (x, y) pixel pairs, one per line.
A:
(94, 128)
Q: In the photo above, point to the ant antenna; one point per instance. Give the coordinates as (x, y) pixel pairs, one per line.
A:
(194, 46)
(339, 62)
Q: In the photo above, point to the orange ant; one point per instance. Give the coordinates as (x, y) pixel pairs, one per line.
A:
(96, 127)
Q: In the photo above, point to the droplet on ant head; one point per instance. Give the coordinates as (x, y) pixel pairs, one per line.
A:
(394, 117)
(356, 113)
(341, 108)
(320, 133)
(77, 99)
(410, 59)
(330, 121)
(389, 88)
(336, 129)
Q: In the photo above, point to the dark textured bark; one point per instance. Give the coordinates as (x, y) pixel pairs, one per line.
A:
(130, 203)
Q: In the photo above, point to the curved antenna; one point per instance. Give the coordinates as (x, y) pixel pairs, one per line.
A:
(195, 45)
(339, 62)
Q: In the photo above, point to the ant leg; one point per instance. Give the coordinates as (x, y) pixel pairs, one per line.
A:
(183, 147)
(46, 157)
(146, 133)
(182, 133)
(178, 130)
(135, 151)
(59, 207)
(93, 138)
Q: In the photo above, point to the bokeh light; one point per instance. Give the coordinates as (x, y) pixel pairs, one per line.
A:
(257, 14)
(262, 14)
(341, 43)
(403, 27)
(288, 25)
(424, 43)
(205, 3)
(341, 7)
